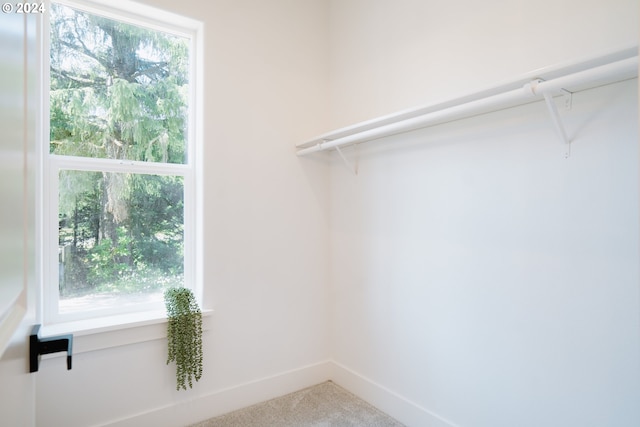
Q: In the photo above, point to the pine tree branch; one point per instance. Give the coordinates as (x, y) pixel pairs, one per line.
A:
(79, 80)
(153, 70)
(82, 48)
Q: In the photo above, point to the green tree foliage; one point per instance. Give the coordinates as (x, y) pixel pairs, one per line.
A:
(117, 91)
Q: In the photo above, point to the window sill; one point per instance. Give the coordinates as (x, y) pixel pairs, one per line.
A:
(108, 332)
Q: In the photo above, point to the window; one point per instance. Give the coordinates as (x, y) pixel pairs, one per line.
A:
(120, 167)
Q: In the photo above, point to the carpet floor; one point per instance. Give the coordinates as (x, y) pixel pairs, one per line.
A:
(323, 405)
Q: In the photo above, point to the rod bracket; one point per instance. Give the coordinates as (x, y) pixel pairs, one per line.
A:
(39, 346)
(352, 167)
(557, 121)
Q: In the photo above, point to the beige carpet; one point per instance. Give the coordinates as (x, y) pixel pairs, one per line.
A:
(325, 404)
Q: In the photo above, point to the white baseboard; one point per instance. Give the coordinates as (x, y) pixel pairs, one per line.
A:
(230, 399)
(407, 412)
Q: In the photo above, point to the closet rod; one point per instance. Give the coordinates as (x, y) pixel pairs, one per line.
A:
(531, 91)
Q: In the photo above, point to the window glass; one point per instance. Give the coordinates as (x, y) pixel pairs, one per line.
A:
(120, 238)
(118, 164)
(117, 91)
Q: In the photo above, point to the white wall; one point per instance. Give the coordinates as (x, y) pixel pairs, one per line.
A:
(479, 278)
(265, 232)
(391, 55)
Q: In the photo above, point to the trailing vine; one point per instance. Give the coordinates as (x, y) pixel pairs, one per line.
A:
(184, 335)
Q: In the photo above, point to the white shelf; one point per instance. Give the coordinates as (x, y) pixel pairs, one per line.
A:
(545, 83)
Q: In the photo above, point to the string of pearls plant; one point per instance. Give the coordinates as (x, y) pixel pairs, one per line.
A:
(184, 335)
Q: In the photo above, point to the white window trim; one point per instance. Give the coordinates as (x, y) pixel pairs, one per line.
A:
(153, 18)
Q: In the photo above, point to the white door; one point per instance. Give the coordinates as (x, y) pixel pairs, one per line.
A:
(17, 224)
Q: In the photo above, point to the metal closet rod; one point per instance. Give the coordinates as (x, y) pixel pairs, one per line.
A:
(531, 91)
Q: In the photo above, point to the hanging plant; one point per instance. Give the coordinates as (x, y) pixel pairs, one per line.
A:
(184, 335)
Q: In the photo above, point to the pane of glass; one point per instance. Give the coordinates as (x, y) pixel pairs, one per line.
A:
(118, 91)
(120, 239)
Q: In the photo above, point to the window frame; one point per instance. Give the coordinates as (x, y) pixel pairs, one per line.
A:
(191, 171)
